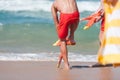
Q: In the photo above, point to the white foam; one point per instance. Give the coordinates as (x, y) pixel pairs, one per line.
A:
(45, 57)
(42, 5)
(25, 5)
(88, 6)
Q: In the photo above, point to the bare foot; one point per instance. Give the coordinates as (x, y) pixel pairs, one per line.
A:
(66, 67)
(59, 62)
(70, 42)
(57, 43)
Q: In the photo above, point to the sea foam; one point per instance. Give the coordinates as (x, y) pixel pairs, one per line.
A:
(42, 5)
(44, 56)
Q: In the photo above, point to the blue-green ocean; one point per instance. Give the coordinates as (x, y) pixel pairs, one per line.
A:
(27, 31)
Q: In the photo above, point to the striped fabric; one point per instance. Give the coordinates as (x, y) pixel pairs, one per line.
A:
(109, 51)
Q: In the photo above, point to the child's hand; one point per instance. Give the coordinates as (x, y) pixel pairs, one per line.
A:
(98, 19)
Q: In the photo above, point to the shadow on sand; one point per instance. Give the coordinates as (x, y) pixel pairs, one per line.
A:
(91, 66)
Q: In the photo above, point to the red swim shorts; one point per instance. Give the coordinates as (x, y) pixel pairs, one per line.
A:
(65, 21)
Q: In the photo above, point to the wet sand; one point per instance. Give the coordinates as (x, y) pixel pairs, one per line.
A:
(46, 70)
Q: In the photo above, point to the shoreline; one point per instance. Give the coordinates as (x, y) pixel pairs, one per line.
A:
(46, 70)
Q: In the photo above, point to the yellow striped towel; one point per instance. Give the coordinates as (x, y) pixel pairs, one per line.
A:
(109, 51)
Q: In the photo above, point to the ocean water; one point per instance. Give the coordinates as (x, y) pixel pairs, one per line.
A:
(27, 31)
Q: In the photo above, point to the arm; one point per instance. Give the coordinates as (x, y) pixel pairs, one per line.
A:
(86, 18)
(93, 15)
(55, 15)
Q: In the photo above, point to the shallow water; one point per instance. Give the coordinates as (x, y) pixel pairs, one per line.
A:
(30, 31)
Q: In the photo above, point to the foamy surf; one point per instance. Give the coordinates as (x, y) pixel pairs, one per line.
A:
(44, 57)
(42, 5)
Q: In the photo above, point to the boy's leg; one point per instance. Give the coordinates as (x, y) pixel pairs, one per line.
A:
(70, 40)
(73, 28)
(59, 61)
(64, 53)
